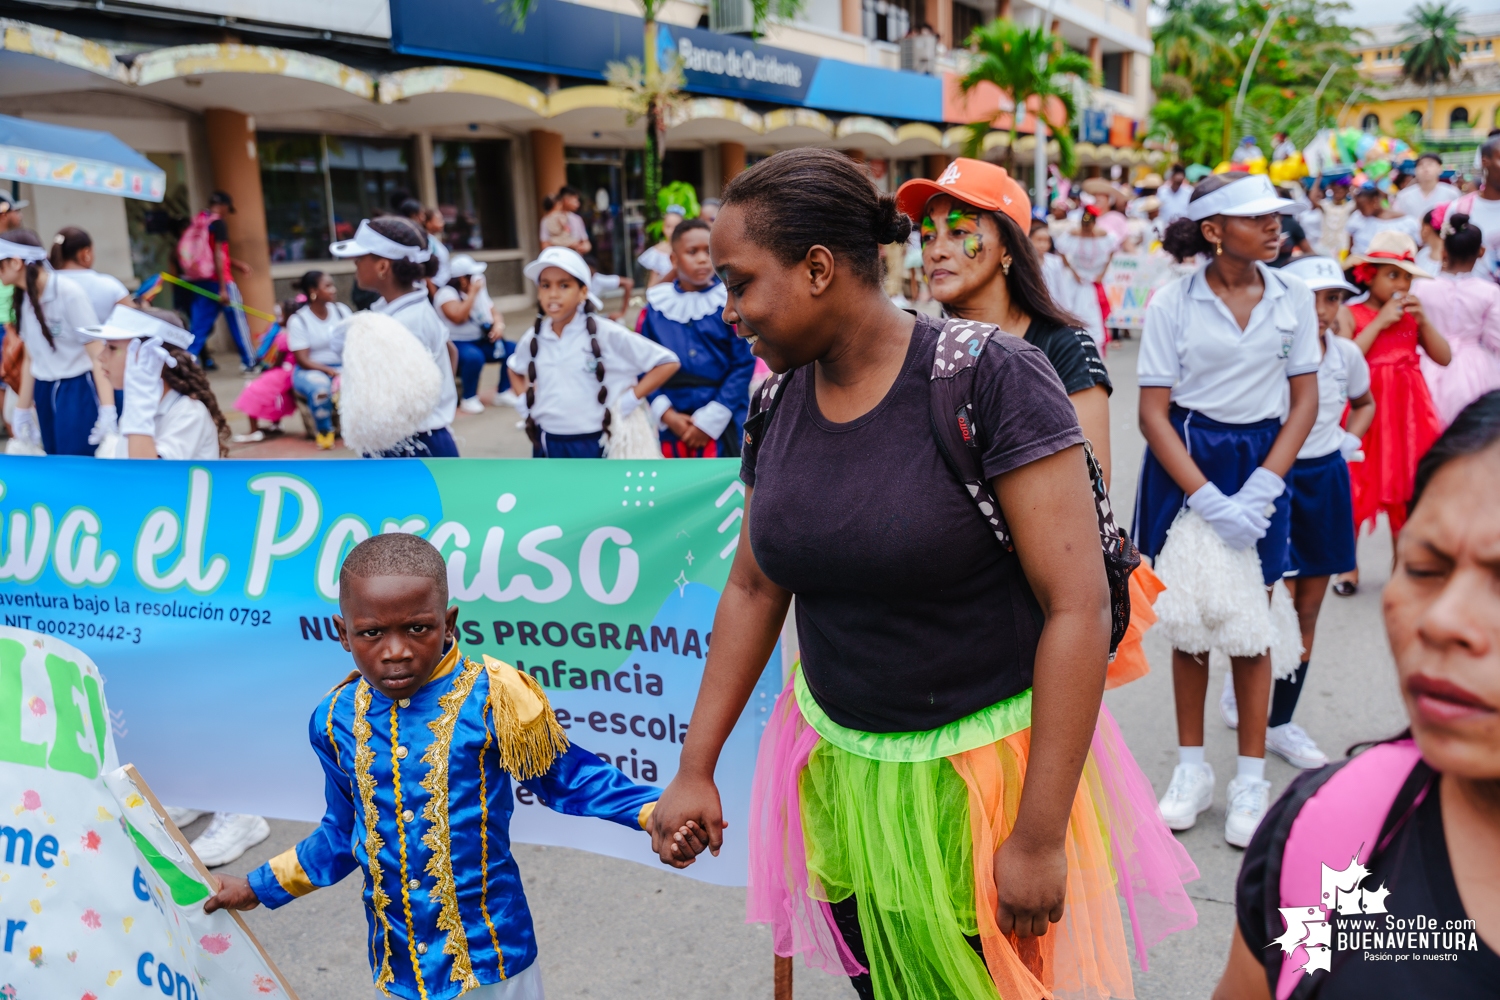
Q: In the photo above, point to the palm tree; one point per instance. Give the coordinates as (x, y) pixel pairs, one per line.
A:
(650, 87)
(1186, 125)
(1033, 66)
(1432, 33)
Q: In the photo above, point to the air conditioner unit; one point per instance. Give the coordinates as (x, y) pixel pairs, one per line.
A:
(731, 17)
(919, 53)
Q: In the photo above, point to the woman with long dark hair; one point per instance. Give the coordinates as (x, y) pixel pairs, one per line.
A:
(934, 781)
(50, 311)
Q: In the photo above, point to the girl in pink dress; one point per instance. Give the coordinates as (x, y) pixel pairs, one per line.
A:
(1465, 308)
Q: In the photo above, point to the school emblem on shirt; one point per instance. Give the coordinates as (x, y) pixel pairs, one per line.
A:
(1286, 343)
(1352, 918)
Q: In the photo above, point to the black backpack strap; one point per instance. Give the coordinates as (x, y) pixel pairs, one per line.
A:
(762, 405)
(955, 427)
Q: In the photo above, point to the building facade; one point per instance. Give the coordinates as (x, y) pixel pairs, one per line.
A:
(313, 116)
(1462, 111)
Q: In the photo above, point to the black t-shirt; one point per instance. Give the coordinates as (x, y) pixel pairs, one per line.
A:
(909, 613)
(1292, 234)
(1073, 354)
(1414, 868)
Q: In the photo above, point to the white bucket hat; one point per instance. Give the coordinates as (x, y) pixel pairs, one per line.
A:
(559, 257)
(368, 241)
(1248, 196)
(126, 323)
(1319, 273)
(463, 266)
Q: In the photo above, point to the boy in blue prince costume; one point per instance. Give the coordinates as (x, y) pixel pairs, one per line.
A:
(418, 748)
(702, 408)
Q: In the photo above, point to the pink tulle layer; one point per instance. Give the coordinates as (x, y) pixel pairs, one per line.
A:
(1150, 865)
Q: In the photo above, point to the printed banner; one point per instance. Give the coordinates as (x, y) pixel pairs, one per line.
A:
(206, 593)
(95, 891)
(1128, 283)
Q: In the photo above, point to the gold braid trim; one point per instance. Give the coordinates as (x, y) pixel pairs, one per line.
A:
(528, 737)
(411, 933)
(437, 839)
(484, 851)
(363, 758)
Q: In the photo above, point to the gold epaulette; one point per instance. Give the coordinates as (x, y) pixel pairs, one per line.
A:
(527, 734)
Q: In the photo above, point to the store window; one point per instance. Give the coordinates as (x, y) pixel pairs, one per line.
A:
(318, 187)
(1370, 122)
(965, 20)
(890, 20)
(1113, 71)
(475, 193)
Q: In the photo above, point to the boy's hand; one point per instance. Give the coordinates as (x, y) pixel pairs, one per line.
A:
(234, 894)
(687, 804)
(687, 843)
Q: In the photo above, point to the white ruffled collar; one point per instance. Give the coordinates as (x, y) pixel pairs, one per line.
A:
(684, 307)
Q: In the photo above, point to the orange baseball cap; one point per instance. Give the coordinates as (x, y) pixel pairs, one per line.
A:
(983, 185)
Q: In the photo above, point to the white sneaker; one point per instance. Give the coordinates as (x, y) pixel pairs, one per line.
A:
(1228, 707)
(182, 816)
(1292, 744)
(1191, 792)
(508, 398)
(228, 836)
(1249, 798)
(472, 405)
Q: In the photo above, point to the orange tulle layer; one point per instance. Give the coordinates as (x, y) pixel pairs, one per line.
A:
(1130, 658)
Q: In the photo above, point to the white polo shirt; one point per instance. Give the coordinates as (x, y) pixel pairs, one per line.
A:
(1174, 204)
(1362, 229)
(567, 390)
(1192, 345)
(305, 332)
(1343, 375)
(414, 312)
(185, 431)
(103, 290)
(67, 308)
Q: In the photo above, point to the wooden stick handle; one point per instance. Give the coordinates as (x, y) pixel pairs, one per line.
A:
(783, 978)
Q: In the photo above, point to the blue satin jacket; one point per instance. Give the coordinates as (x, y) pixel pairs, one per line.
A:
(418, 799)
(716, 363)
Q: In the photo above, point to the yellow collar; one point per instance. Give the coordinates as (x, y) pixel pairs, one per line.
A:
(446, 665)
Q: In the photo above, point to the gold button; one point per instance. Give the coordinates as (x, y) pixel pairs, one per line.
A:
(414, 884)
(404, 703)
(422, 948)
(408, 815)
(401, 753)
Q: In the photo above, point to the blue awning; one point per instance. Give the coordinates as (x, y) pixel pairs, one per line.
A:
(76, 158)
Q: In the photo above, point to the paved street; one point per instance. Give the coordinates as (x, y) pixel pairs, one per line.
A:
(615, 929)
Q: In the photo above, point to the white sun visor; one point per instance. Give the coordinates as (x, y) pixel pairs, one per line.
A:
(1248, 196)
(21, 251)
(367, 240)
(125, 323)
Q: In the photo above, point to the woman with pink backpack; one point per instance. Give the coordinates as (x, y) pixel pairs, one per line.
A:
(203, 257)
(1380, 876)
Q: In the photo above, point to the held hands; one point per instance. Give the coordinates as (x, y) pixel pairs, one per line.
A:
(686, 431)
(1031, 884)
(1239, 527)
(144, 361)
(234, 894)
(1351, 448)
(687, 819)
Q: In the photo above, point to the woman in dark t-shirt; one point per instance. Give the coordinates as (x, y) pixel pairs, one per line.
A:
(981, 265)
(1421, 917)
(891, 837)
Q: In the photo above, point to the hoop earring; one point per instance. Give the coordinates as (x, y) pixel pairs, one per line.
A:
(1005, 267)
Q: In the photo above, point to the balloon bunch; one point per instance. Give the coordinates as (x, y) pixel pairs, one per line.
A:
(1370, 157)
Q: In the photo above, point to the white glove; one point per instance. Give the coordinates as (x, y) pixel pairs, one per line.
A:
(1263, 487)
(1352, 448)
(107, 424)
(628, 403)
(144, 361)
(1232, 522)
(24, 427)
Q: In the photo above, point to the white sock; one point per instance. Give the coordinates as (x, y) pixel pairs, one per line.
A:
(1251, 767)
(1190, 755)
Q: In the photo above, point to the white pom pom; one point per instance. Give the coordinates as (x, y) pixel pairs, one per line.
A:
(388, 385)
(1215, 598)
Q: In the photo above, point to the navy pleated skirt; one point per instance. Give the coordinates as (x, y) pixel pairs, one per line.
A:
(1226, 454)
(1322, 516)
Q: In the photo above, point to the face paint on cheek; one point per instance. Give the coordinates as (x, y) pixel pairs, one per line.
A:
(973, 243)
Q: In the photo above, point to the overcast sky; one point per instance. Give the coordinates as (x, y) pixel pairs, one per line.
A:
(1368, 12)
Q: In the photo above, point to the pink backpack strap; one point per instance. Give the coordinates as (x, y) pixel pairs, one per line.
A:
(1342, 820)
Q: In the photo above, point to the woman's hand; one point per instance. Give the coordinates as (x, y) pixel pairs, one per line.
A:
(1032, 884)
(688, 799)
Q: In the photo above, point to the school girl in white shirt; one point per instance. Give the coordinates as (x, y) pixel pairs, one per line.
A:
(389, 254)
(60, 407)
(1322, 531)
(576, 368)
(1219, 350)
(311, 336)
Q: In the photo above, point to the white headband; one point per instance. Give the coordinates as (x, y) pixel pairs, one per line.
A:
(1248, 196)
(367, 240)
(21, 251)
